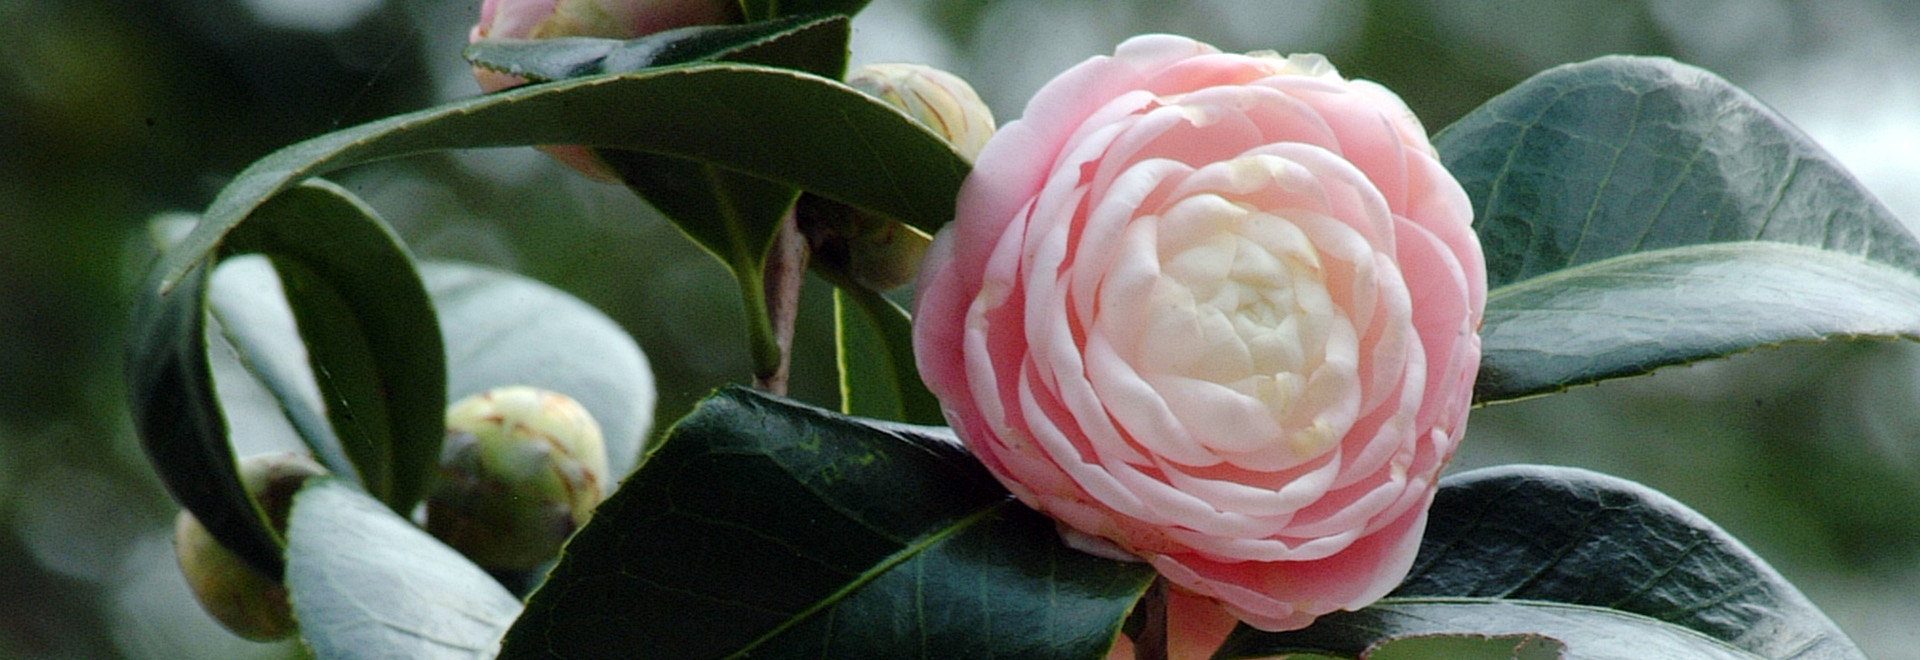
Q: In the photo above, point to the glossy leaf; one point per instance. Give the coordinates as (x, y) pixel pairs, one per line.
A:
(757, 9)
(366, 583)
(1623, 155)
(873, 339)
(735, 216)
(1631, 314)
(505, 329)
(807, 43)
(780, 125)
(1616, 571)
(369, 330)
(767, 528)
(176, 414)
(369, 335)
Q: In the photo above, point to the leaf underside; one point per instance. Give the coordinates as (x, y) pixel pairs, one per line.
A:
(366, 583)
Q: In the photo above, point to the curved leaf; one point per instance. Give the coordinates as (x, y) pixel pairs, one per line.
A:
(1603, 565)
(366, 583)
(505, 329)
(369, 329)
(824, 137)
(792, 42)
(176, 413)
(734, 216)
(766, 528)
(1631, 314)
(1623, 155)
(256, 342)
(369, 333)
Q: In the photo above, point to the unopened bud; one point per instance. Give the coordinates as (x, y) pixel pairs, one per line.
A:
(938, 100)
(520, 470)
(249, 603)
(853, 247)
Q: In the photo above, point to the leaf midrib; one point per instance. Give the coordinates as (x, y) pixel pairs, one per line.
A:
(910, 551)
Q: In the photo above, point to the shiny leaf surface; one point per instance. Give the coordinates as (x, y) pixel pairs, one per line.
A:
(780, 125)
(762, 527)
(372, 347)
(1624, 155)
(1605, 566)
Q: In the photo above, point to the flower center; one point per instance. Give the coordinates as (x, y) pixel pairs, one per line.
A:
(1245, 343)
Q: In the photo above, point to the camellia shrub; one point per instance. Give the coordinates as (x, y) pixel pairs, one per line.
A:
(1170, 366)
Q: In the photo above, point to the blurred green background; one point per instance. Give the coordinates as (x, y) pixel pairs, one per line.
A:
(114, 110)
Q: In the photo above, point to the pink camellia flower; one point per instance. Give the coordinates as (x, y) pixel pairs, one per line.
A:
(1216, 312)
(608, 19)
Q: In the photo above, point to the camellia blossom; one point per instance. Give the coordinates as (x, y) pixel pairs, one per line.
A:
(1215, 312)
(606, 19)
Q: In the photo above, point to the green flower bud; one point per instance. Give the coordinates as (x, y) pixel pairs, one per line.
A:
(938, 100)
(852, 247)
(520, 470)
(247, 602)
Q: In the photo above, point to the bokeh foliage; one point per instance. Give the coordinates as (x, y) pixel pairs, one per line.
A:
(113, 110)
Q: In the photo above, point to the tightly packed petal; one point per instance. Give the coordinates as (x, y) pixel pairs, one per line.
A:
(1217, 312)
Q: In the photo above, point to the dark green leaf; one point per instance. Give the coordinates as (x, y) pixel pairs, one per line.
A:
(766, 528)
(1623, 155)
(818, 135)
(367, 328)
(504, 329)
(1605, 566)
(369, 331)
(176, 413)
(816, 44)
(366, 583)
(761, 9)
(733, 215)
(878, 376)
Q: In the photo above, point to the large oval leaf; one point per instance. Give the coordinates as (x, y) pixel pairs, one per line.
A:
(505, 329)
(369, 334)
(366, 583)
(766, 528)
(1623, 155)
(784, 126)
(1631, 314)
(1605, 566)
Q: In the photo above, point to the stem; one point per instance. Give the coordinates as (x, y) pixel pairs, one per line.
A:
(782, 276)
(1151, 641)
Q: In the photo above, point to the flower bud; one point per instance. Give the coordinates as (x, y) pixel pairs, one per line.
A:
(608, 19)
(247, 602)
(877, 253)
(520, 470)
(938, 100)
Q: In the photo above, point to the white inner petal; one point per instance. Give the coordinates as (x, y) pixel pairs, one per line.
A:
(1240, 337)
